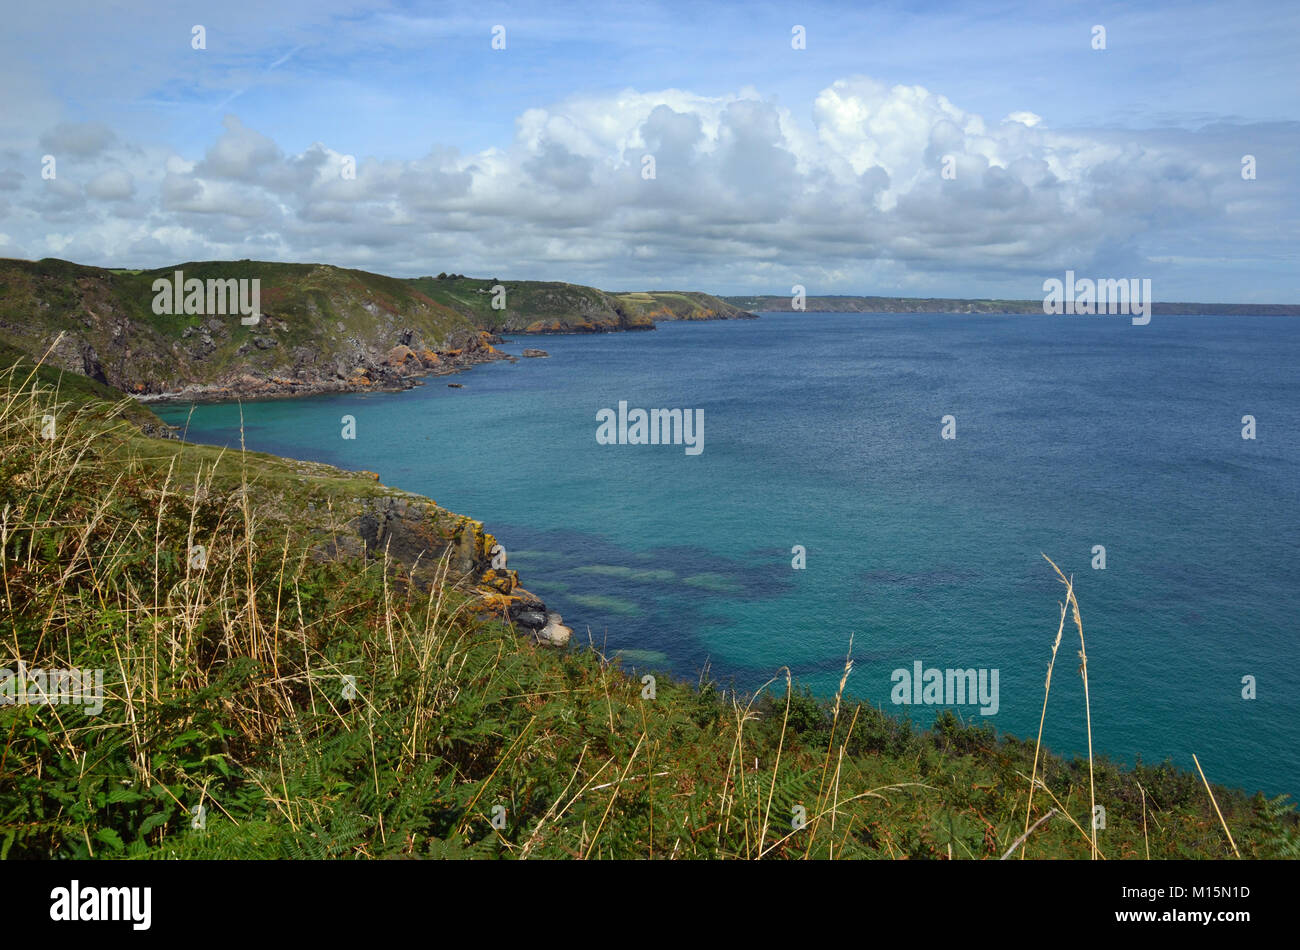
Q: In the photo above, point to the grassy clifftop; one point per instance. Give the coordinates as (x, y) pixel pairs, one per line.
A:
(322, 328)
(681, 305)
(303, 689)
(530, 306)
(550, 307)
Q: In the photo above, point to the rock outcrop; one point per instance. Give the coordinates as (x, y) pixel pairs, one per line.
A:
(555, 633)
(319, 328)
(426, 545)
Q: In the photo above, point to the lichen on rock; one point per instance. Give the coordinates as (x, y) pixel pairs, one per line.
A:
(426, 544)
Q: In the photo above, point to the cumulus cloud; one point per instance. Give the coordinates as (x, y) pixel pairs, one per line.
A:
(1024, 118)
(869, 187)
(115, 184)
(82, 139)
(241, 154)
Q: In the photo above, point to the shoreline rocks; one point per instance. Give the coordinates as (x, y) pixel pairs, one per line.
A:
(401, 369)
(555, 633)
(416, 535)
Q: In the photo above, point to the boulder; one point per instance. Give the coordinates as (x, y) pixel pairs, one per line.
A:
(531, 618)
(535, 353)
(399, 354)
(555, 633)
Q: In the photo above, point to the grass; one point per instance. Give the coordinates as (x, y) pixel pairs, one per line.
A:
(1071, 603)
(266, 699)
(322, 325)
(309, 308)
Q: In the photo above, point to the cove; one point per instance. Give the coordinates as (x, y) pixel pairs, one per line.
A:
(824, 433)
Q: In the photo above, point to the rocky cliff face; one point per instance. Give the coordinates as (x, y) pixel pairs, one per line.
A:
(428, 545)
(333, 513)
(319, 328)
(530, 306)
(682, 305)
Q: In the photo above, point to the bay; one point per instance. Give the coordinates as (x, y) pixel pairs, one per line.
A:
(824, 431)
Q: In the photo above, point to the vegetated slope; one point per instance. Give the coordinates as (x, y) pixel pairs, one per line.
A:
(681, 305)
(322, 328)
(297, 691)
(849, 304)
(79, 390)
(531, 306)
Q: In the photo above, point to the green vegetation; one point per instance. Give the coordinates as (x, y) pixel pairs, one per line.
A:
(322, 328)
(679, 305)
(531, 306)
(225, 689)
(319, 322)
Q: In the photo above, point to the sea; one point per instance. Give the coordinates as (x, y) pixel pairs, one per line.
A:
(887, 488)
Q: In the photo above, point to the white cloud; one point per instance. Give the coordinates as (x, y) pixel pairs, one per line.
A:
(747, 195)
(116, 184)
(1024, 118)
(82, 139)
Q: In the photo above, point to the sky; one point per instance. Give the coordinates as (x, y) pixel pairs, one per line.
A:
(912, 149)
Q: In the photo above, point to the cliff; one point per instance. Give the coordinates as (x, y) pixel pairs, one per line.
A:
(331, 514)
(682, 305)
(320, 328)
(530, 306)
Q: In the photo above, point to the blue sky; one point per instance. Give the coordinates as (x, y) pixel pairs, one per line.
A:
(823, 166)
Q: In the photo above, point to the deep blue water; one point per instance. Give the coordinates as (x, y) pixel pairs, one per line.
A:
(824, 431)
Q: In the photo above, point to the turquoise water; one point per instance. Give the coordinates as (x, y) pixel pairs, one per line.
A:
(824, 431)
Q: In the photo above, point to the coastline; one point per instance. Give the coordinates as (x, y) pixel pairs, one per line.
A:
(402, 370)
(409, 527)
(454, 476)
(347, 519)
(408, 377)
